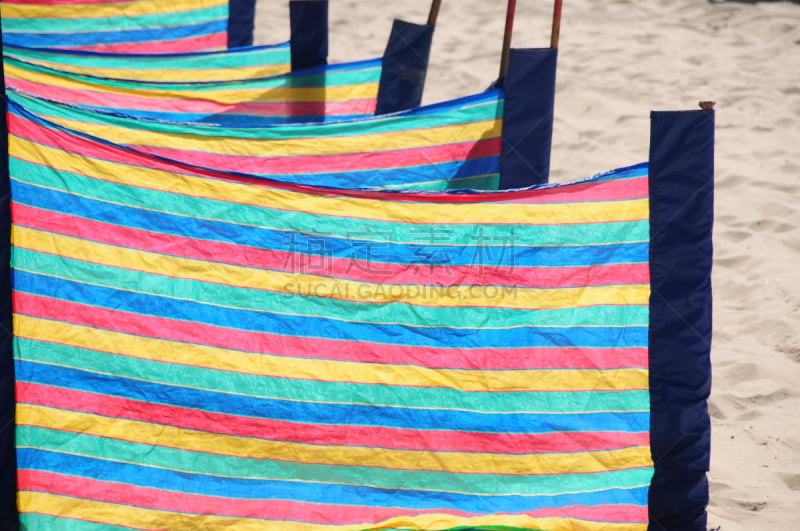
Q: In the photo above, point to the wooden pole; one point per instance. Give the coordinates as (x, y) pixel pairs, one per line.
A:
(434, 12)
(512, 6)
(556, 31)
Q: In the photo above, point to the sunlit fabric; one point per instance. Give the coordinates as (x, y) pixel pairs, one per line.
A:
(453, 145)
(133, 26)
(200, 67)
(208, 350)
(337, 92)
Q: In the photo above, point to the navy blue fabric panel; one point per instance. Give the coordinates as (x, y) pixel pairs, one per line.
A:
(681, 214)
(309, 20)
(8, 460)
(528, 117)
(405, 65)
(241, 22)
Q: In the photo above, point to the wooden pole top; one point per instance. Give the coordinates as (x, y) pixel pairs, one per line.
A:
(433, 14)
(556, 30)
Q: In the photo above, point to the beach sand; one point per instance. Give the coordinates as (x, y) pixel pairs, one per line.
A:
(618, 60)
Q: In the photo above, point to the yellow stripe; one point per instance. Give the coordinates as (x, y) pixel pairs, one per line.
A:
(292, 146)
(173, 75)
(314, 286)
(336, 206)
(225, 96)
(436, 521)
(128, 9)
(331, 455)
(126, 516)
(266, 364)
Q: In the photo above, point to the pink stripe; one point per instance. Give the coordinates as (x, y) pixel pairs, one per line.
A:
(328, 267)
(48, 136)
(274, 164)
(73, 143)
(328, 435)
(616, 190)
(65, 2)
(116, 101)
(200, 43)
(173, 501)
(290, 108)
(328, 349)
(165, 500)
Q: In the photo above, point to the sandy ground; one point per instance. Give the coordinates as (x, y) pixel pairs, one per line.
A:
(619, 59)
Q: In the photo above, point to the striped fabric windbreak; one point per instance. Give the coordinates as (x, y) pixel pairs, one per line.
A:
(336, 92)
(200, 67)
(119, 26)
(453, 145)
(205, 350)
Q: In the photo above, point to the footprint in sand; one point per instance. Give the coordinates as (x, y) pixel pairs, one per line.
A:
(792, 481)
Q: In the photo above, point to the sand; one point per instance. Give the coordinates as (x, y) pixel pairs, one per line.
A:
(619, 59)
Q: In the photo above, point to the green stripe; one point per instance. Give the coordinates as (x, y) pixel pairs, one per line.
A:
(266, 301)
(474, 528)
(478, 528)
(483, 182)
(32, 521)
(226, 60)
(328, 79)
(114, 24)
(219, 465)
(411, 122)
(353, 229)
(331, 78)
(327, 392)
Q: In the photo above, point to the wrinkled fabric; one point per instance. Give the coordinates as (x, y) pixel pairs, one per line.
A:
(204, 349)
(455, 144)
(141, 26)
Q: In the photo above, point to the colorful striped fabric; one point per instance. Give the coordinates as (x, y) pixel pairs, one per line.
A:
(200, 67)
(445, 146)
(206, 350)
(119, 26)
(335, 92)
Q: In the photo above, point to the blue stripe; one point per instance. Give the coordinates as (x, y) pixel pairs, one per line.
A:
(53, 54)
(247, 298)
(363, 178)
(330, 414)
(116, 23)
(264, 489)
(55, 40)
(469, 109)
(236, 120)
(313, 327)
(283, 388)
(424, 255)
(147, 455)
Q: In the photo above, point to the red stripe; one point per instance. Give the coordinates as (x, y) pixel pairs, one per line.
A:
(328, 267)
(69, 142)
(114, 101)
(324, 348)
(327, 435)
(165, 500)
(272, 163)
(200, 43)
(74, 143)
(173, 501)
(65, 2)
